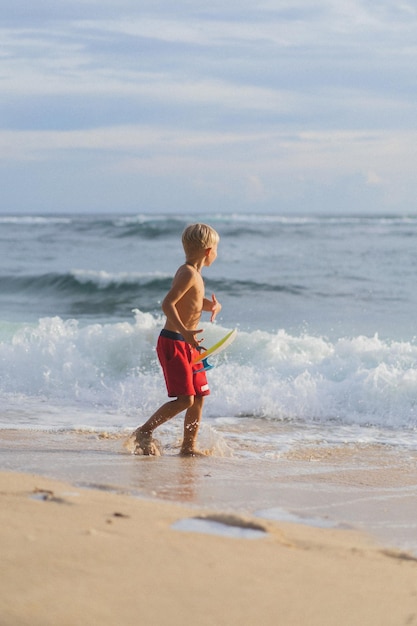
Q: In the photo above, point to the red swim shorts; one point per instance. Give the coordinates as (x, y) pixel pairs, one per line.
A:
(175, 356)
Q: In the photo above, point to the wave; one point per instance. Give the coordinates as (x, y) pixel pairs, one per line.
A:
(236, 226)
(90, 282)
(33, 220)
(82, 291)
(149, 226)
(360, 380)
(136, 226)
(112, 296)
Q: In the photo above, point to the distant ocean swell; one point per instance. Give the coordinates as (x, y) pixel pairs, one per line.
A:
(83, 282)
(166, 221)
(113, 286)
(144, 227)
(83, 293)
(359, 380)
(90, 280)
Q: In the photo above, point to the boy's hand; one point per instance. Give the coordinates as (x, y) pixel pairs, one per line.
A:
(189, 337)
(215, 307)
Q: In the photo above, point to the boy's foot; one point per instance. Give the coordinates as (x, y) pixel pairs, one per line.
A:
(144, 444)
(192, 452)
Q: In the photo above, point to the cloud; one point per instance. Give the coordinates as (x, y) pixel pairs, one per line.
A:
(374, 179)
(271, 95)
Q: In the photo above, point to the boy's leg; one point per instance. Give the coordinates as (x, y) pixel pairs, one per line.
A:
(191, 426)
(143, 434)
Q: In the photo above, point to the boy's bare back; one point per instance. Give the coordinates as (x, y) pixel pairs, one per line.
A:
(185, 301)
(187, 295)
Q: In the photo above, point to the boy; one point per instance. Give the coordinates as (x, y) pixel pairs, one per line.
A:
(178, 342)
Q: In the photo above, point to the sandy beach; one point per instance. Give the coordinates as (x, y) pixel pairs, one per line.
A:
(74, 556)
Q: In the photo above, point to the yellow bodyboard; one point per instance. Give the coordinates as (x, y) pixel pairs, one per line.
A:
(218, 347)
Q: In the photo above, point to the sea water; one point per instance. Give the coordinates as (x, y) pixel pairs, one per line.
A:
(326, 352)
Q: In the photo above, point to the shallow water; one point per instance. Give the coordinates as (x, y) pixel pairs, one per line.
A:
(364, 486)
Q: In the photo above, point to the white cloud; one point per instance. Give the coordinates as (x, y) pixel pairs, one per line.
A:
(320, 153)
(230, 99)
(374, 179)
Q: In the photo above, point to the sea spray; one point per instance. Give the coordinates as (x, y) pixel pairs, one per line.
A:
(360, 380)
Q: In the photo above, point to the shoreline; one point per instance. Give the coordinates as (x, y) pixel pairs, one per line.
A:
(372, 488)
(72, 555)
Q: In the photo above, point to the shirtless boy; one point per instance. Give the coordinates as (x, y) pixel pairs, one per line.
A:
(179, 341)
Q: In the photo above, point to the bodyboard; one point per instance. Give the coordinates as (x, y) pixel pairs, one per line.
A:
(217, 347)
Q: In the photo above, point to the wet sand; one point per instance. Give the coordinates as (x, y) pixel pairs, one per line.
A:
(372, 488)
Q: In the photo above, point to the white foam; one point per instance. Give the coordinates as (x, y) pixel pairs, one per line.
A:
(360, 380)
(104, 279)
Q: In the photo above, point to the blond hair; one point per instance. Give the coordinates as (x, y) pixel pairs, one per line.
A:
(199, 237)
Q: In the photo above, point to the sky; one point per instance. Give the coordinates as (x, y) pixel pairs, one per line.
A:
(154, 106)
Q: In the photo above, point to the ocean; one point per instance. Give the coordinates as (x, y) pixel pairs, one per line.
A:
(322, 375)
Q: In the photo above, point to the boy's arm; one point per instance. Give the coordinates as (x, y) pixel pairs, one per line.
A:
(213, 306)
